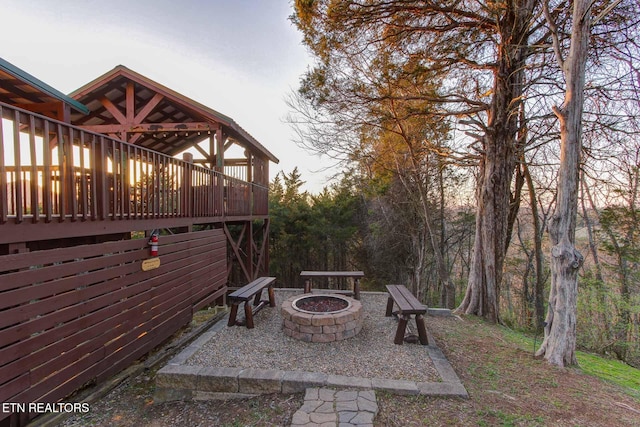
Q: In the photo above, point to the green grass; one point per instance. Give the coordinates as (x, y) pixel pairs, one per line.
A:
(609, 370)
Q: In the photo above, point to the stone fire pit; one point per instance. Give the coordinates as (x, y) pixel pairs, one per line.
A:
(321, 318)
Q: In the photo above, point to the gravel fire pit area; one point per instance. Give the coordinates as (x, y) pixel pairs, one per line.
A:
(369, 354)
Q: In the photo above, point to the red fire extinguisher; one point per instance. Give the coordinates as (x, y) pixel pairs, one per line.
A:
(154, 244)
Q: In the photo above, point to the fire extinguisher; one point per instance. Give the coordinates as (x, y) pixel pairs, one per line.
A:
(154, 244)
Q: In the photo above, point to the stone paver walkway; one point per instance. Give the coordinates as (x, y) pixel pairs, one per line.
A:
(325, 407)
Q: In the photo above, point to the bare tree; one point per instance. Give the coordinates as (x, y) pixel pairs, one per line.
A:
(559, 342)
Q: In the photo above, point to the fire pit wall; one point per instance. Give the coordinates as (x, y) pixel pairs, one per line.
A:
(322, 327)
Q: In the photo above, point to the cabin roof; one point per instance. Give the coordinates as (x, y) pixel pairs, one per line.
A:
(19, 88)
(164, 120)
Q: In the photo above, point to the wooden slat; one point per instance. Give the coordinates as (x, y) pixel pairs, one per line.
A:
(19, 207)
(136, 195)
(93, 191)
(406, 301)
(147, 179)
(101, 165)
(60, 378)
(119, 361)
(113, 190)
(4, 212)
(200, 304)
(357, 274)
(84, 199)
(249, 290)
(25, 260)
(34, 205)
(207, 279)
(14, 387)
(47, 187)
(71, 175)
(127, 180)
(62, 177)
(123, 183)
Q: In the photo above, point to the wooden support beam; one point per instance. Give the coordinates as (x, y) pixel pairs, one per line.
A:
(130, 103)
(249, 165)
(153, 127)
(148, 108)
(219, 150)
(201, 150)
(115, 112)
(263, 251)
(249, 250)
(235, 245)
(134, 138)
(235, 162)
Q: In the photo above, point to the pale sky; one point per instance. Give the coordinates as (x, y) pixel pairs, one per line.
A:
(239, 57)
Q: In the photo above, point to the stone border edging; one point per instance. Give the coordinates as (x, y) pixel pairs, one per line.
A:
(181, 382)
(178, 381)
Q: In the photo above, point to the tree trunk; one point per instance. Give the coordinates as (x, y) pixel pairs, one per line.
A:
(537, 238)
(448, 291)
(593, 247)
(497, 165)
(559, 344)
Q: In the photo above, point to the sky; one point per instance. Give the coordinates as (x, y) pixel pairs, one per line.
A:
(239, 57)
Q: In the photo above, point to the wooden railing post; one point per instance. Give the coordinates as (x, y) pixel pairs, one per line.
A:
(186, 185)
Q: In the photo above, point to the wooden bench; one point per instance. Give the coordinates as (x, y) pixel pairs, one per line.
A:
(408, 305)
(251, 291)
(355, 275)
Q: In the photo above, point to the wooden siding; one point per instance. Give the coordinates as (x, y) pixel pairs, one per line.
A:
(51, 172)
(74, 315)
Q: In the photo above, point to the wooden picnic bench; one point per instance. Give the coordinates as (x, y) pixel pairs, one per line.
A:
(251, 291)
(408, 305)
(355, 275)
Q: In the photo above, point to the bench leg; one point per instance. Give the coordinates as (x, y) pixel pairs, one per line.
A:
(233, 314)
(389, 307)
(402, 327)
(422, 329)
(356, 288)
(272, 297)
(248, 314)
(307, 286)
(257, 298)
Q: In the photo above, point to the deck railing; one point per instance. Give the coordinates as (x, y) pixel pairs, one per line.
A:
(52, 171)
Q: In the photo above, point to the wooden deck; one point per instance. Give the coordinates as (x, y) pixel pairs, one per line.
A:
(59, 180)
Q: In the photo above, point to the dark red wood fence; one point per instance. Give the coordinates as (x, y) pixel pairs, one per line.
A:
(74, 315)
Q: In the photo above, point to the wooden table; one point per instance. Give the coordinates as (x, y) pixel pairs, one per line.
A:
(355, 275)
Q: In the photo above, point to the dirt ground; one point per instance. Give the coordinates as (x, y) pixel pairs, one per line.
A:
(507, 387)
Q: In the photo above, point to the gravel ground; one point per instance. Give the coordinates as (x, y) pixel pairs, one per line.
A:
(370, 354)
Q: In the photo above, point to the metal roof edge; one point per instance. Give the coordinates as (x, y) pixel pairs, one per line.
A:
(28, 78)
